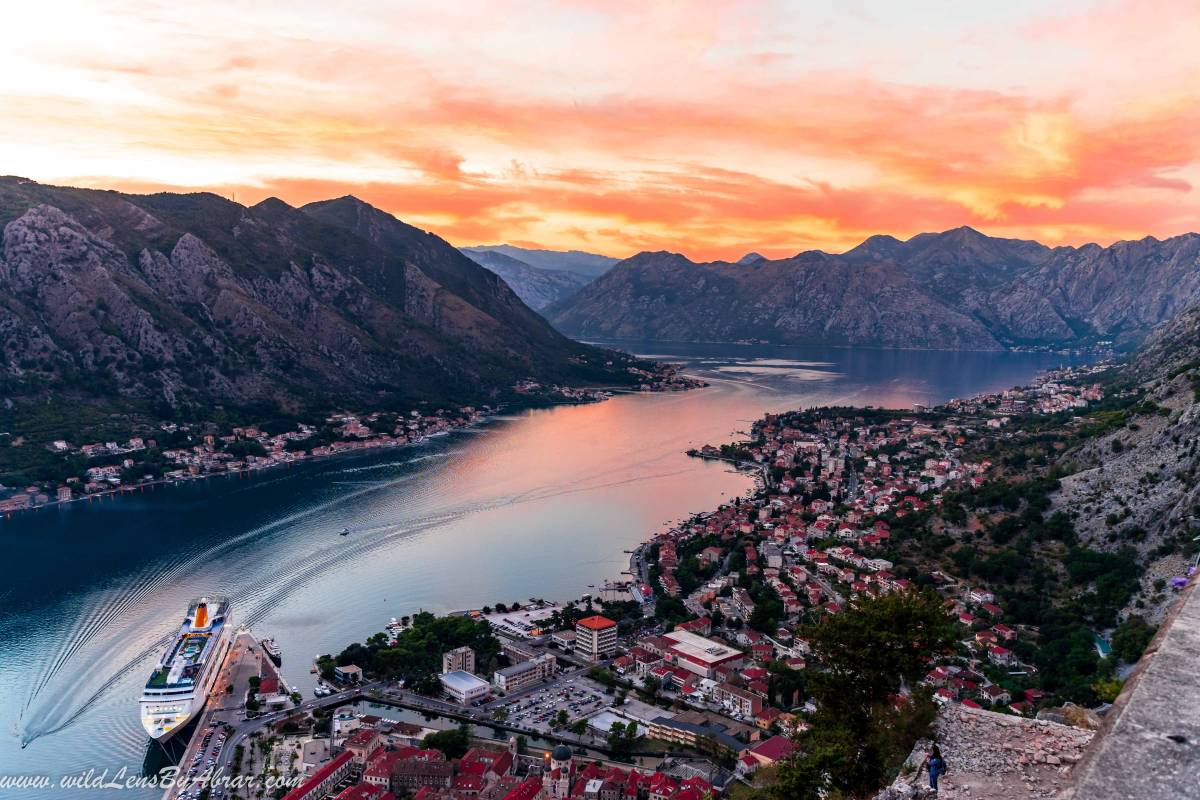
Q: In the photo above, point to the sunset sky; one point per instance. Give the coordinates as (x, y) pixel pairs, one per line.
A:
(708, 128)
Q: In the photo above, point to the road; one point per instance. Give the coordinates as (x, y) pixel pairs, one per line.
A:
(207, 745)
(382, 692)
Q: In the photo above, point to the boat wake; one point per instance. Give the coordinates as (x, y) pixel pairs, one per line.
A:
(100, 634)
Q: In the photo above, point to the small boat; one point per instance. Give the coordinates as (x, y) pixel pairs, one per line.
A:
(272, 650)
(345, 532)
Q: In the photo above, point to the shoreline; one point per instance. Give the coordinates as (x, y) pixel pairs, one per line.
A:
(592, 395)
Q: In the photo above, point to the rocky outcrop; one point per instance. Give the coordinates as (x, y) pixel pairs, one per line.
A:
(959, 289)
(1138, 485)
(193, 299)
(994, 756)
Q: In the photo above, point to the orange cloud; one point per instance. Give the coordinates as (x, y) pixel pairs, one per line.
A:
(622, 126)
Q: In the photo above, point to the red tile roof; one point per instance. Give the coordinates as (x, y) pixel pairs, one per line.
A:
(596, 623)
(318, 776)
(365, 791)
(775, 748)
(526, 790)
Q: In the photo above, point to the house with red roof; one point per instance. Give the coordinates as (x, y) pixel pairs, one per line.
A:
(767, 717)
(364, 791)
(324, 779)
(996, 696)
(528, 789)
(362, 745)
(484, 761)
(1004, 632)
(702, 626)
(998, 654)
(773, 750)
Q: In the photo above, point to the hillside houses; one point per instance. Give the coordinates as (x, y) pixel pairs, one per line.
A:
(818, 536)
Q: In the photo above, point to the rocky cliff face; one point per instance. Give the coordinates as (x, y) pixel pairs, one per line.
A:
(1139, 484)
(811, 298)
(957, 289)
(192, 299)
(537, 288)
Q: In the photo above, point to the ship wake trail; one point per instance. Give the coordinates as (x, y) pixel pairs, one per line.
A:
(67, 717)
(83, 632)
(255, 601)
(88, 625)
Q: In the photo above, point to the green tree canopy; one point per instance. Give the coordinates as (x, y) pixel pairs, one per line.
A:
(865, 725)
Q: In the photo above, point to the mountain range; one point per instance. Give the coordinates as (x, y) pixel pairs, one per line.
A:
(587, 265)
(536, 287)
(958, 289)
(541, 277)
(194, 301)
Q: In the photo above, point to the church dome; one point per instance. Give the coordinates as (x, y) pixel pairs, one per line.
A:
(561, 753)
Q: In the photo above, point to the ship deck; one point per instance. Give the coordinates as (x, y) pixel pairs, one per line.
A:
(186, 658)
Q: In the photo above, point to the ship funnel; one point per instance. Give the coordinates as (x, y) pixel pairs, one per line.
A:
(201, 615)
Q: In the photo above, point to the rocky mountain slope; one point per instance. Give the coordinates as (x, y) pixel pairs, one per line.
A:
(536, 287)
(1138, 485)
(956, 289)
(812, 297)
(190, 300)
(588, 265)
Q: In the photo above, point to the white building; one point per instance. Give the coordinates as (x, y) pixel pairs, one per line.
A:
(700, 655)
(595, 637)
(464, 687)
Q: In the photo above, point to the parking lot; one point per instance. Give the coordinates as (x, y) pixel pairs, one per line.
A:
(537, 710)
(204, 760)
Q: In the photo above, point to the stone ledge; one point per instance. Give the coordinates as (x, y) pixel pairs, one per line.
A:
(993, 756)
(1149, 745)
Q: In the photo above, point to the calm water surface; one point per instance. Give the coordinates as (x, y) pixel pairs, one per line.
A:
(536, 504)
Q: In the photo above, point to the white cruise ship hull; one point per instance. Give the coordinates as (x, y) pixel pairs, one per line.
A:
(163, 721)
(181, 684)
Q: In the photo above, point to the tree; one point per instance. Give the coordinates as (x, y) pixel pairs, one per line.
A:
(453, 743)
(579, 727)
(622, 738)
(417, 650)
(428, 685)
(864, 725)
(1131, 638)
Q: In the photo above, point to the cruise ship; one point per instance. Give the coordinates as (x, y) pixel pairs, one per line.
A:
(180, 684)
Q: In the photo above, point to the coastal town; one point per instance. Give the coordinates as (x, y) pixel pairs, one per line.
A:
(687, 680)
(172, 452)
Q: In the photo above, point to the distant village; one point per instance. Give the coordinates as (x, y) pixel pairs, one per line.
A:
(182, 452)
(1056, 391)
(243, 448)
